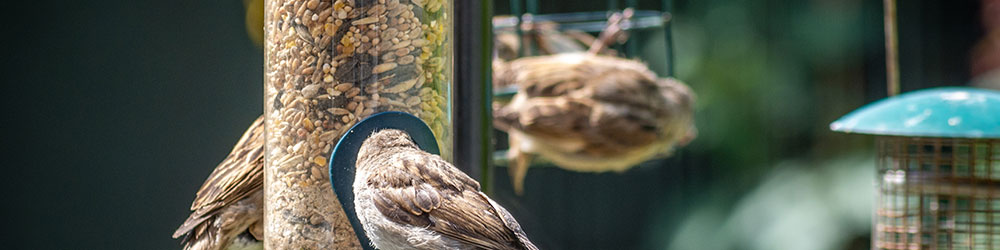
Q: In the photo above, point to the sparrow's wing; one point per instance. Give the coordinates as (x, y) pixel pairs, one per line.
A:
(543, 75)
(546, 117)
(238, 176)
(512, 224)
(558, 75)
(543, 104)
(629, 108)
(425, 191)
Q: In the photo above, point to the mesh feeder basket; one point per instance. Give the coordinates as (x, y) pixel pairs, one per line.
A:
(938, 182)
(330, 64)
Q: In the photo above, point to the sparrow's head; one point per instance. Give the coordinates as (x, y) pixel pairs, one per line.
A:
(383, 141)
(677, 93)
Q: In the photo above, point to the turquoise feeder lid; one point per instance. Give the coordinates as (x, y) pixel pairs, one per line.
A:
(956, 112)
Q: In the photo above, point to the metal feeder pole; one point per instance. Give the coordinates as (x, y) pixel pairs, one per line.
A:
(473, 90)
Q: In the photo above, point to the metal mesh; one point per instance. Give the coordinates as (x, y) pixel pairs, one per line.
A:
(937, 193)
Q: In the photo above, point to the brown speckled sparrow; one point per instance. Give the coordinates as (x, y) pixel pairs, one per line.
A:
(406, 198)
(590, 113)
(228, 211)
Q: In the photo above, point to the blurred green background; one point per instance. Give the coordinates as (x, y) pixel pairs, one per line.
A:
(118, 110)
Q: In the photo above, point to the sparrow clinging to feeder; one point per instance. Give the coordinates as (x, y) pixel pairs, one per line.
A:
(406, 198)
(590, 113)
(228, 210)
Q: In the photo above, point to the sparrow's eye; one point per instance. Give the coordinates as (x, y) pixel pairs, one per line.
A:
(649, 128)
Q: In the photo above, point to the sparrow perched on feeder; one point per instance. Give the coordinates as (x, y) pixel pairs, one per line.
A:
(590, 113)
(406, 198)
(228, 210)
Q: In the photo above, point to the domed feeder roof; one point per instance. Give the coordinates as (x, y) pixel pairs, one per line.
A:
(956, 112)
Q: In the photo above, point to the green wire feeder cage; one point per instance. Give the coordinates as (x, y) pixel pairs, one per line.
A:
(938, 168)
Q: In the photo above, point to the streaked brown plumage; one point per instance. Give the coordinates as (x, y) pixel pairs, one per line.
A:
(590, 113)
(409, 199)
(230, 202)
(547, 39)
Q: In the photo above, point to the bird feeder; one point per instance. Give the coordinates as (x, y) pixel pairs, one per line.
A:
(328, 65)
(938, 182)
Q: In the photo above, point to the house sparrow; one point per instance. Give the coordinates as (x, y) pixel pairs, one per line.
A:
(590, 113)
(406, 198)
(228, 210)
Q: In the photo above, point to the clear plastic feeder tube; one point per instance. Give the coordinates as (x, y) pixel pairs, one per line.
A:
(330, 64)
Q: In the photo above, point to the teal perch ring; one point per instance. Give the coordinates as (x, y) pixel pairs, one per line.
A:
(345, 154)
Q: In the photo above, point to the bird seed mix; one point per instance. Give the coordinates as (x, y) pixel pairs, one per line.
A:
(330, 64)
